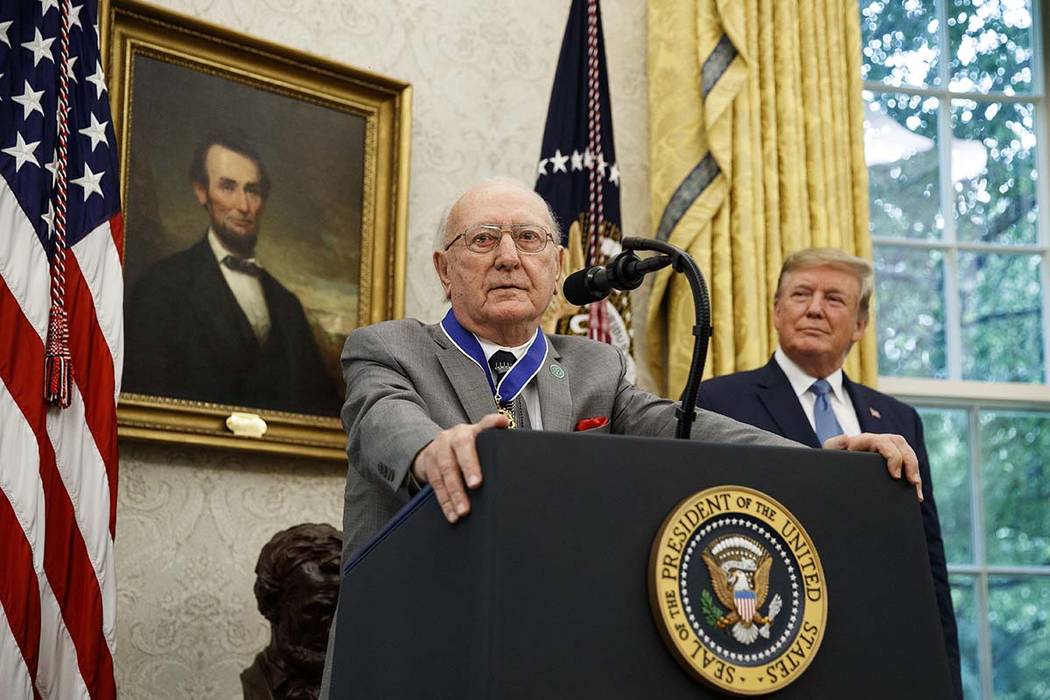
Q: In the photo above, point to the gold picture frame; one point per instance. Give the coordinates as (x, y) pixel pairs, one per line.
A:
(334, 140)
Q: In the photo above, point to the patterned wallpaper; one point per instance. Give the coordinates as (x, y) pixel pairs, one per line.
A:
(191, 521)
(190, 524)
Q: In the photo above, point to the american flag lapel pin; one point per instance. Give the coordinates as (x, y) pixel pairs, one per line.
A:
(874, 413)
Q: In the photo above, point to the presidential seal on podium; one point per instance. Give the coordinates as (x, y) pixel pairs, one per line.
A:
(737, 590)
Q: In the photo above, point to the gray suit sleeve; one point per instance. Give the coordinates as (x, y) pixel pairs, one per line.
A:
(638, 412)
(386, 420)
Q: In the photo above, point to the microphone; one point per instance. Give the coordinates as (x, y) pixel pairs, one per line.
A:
(624, 273)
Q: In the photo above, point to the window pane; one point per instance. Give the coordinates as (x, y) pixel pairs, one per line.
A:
(993, 171)
(900, 147)
(1016, 475)
(899, 42)
(947, 443)
(966, 621)
(1001, 311)
(1019, 624)
(991, 46)
(909, 306)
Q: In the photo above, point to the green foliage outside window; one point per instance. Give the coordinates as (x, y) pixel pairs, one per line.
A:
(991, 197)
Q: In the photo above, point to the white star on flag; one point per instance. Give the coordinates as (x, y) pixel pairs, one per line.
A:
(96, 132)
(4, 26)
(614, 174)
(602, 164)
(558, 162)
(74, 17)
(52, 168)
(98, 80)
(588, 159)
(577, 160)
(49, 218)
(90, 182)
(30, 101)
(541, 169)
(69, 71)
(40, 47)
(46, 5)
(22, 152)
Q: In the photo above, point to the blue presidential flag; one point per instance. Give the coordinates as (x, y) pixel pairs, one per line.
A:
(578, 175)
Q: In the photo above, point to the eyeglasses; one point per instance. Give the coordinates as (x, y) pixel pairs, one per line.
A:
(485, 238)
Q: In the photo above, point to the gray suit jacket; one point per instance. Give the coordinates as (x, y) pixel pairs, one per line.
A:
(406, 382)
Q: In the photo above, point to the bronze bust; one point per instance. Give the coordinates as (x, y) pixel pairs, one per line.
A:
(296, 586)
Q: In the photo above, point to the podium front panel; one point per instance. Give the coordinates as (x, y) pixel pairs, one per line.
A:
(542, 591)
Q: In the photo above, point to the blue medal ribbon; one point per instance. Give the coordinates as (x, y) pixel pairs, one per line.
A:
(515, 380)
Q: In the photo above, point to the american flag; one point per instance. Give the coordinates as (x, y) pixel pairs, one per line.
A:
(61, 292)
(577, 172)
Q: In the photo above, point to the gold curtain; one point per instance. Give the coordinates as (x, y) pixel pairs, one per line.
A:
(756, 150)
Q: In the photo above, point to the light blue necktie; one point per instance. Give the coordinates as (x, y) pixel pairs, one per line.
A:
(827, 425)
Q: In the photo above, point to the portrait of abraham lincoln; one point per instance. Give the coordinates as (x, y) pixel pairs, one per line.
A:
(244, 245)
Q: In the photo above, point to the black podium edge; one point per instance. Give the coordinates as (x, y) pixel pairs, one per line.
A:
(417, 501)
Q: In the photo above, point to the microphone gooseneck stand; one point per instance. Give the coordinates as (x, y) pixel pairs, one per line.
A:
(681, 262)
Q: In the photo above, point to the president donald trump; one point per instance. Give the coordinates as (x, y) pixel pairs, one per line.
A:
(820, 309)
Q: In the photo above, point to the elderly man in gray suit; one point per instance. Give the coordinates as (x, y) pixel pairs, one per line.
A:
(418, 394)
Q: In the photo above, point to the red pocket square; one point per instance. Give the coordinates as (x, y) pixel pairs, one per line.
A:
(591, 423)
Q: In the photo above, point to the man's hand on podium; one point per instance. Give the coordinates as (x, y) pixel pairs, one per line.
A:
(900, 457)
(451, 460)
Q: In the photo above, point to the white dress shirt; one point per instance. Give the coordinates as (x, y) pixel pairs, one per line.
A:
(530, 393)
(840, 401)
(247, 290)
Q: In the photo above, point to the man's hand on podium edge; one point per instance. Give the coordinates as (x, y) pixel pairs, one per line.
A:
(900, 457)
(452, 459)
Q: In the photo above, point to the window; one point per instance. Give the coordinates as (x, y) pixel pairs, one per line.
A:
(956, 139)
(992, 481)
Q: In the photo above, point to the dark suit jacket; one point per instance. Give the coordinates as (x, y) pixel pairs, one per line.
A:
(188, 338)
(764, 398)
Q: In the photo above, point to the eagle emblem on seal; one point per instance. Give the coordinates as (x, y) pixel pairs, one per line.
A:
(739, 567)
